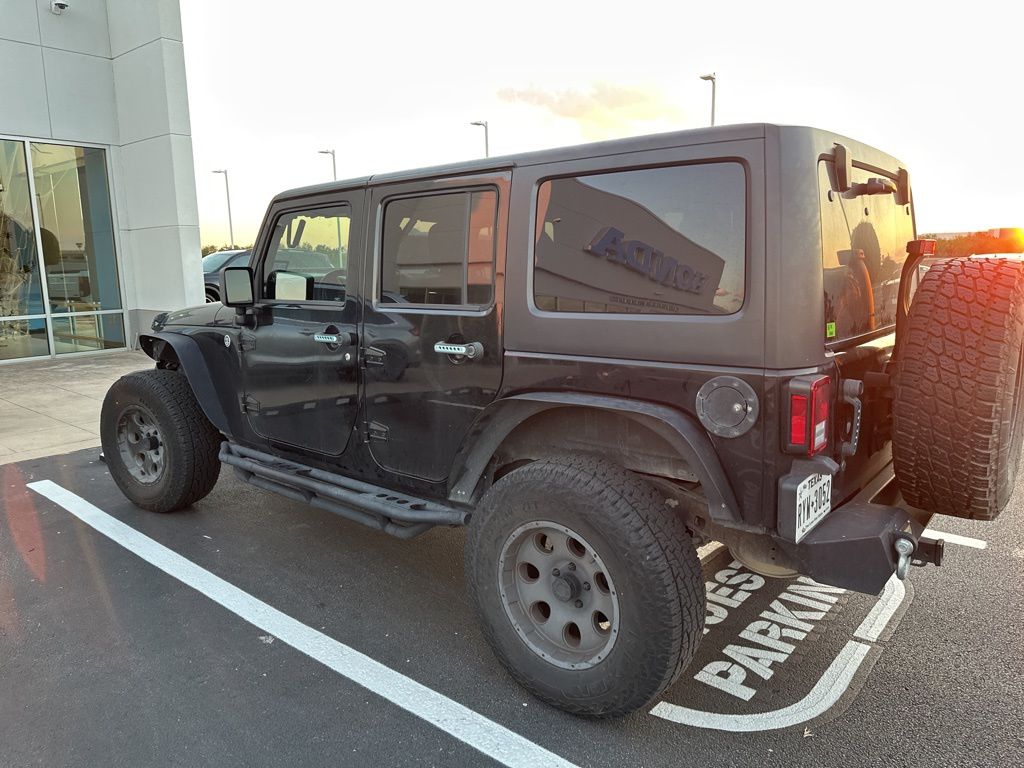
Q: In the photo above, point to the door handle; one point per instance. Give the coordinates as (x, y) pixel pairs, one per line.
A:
(470, 351)
(335, 339)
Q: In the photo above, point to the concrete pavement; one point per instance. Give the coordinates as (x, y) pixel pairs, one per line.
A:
(53, 406)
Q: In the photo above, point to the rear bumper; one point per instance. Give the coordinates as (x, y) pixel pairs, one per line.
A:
(854, 546)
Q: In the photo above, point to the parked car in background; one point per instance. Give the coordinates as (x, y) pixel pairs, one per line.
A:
(214, 263)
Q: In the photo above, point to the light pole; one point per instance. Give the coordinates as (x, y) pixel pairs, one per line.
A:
(487, 138)
(227, 191)
(334, 165)
(714, 83)
(334, 173)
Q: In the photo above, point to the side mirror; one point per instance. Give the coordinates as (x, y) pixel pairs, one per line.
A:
(236, 287)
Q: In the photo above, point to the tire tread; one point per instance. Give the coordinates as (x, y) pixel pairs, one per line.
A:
(195, 443)
(954, 449)
(654, 535)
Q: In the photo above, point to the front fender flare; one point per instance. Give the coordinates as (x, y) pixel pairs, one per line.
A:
(194, 365)
(676, 428)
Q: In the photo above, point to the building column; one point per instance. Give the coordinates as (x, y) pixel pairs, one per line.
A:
(159, 230)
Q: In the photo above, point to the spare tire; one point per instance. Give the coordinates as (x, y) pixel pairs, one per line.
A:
(957, 422)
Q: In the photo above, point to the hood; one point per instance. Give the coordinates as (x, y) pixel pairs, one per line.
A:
(203, 314)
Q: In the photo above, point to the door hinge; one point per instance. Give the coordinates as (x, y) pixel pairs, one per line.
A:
(246, 341)
(376, 431)
(250, 404)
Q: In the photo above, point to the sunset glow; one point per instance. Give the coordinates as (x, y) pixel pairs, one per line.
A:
(397, 85)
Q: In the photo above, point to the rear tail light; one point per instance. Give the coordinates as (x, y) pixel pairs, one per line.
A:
(808, 412)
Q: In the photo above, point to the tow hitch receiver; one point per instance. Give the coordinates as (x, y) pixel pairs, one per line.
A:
(929, 551)
(924, 552)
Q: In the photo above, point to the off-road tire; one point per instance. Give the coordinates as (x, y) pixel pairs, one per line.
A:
(650, 557)
(190, 442)
(957, 413)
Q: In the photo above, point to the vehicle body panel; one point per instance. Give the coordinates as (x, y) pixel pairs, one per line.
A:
(419, 414)
(300, 391)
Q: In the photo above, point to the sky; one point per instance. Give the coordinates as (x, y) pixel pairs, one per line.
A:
(394, 85)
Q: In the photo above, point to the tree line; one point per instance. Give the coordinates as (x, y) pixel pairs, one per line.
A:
(1008, 241)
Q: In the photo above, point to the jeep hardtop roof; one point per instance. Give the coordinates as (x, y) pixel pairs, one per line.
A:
(746, 131)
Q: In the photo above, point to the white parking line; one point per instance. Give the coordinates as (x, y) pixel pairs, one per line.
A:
(881, 613)
(708, 550)
(472, 728)
(826, 692)
(952, 538)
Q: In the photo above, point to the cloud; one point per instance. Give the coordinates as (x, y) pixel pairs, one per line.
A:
(603, 110)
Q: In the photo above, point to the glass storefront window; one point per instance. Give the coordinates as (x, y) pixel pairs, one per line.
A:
(75, 227)
(20, 291)
(23, 338)
(83, 333)
(59, 286)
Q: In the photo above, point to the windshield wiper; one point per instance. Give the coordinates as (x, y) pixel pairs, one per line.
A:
(873, 186)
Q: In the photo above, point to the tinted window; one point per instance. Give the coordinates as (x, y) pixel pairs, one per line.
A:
(439, 249)
(655, 241)
(863, 247)
(315, 244)
(214, 261)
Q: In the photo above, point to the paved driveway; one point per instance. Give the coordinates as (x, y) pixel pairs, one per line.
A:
(251, 630)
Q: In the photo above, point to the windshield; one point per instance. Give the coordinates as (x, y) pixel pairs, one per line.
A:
(215, 261)
(863, 247)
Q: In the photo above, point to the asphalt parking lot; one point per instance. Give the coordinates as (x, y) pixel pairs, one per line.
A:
(251, 630)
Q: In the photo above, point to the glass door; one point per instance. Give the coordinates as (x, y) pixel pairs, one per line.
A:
(23, 330)
(76, 233)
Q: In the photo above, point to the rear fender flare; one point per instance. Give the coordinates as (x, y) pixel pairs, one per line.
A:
(676, 428)
(194, 365)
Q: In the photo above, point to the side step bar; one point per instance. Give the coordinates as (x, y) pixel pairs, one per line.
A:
(399, 515)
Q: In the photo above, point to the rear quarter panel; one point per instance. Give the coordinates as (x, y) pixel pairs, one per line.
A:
(661, 359)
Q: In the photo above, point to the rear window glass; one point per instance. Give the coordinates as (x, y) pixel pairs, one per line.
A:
(439, 249)
(863, 247)
(653, 241)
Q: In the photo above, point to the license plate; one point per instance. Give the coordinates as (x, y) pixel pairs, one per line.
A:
(813, 502)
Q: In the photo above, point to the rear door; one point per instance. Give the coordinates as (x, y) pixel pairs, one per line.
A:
(435, 289)
(300, 361)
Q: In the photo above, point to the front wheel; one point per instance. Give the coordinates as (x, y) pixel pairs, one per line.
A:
(159, 447)
(588, 586)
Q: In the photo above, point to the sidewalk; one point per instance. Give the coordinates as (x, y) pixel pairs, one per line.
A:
(53, 406)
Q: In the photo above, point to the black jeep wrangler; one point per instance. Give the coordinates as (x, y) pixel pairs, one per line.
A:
(599, 358)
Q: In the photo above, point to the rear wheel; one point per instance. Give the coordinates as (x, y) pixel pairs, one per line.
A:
(588, 586)
(159, 447)
(957, 415)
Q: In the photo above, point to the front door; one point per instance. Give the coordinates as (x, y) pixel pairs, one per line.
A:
(300, 361)
(435, 290)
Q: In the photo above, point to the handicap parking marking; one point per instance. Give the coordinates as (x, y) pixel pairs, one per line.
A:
(778, 653)
(485, 735)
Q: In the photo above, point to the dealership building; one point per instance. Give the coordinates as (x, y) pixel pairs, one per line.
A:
(99, 228)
